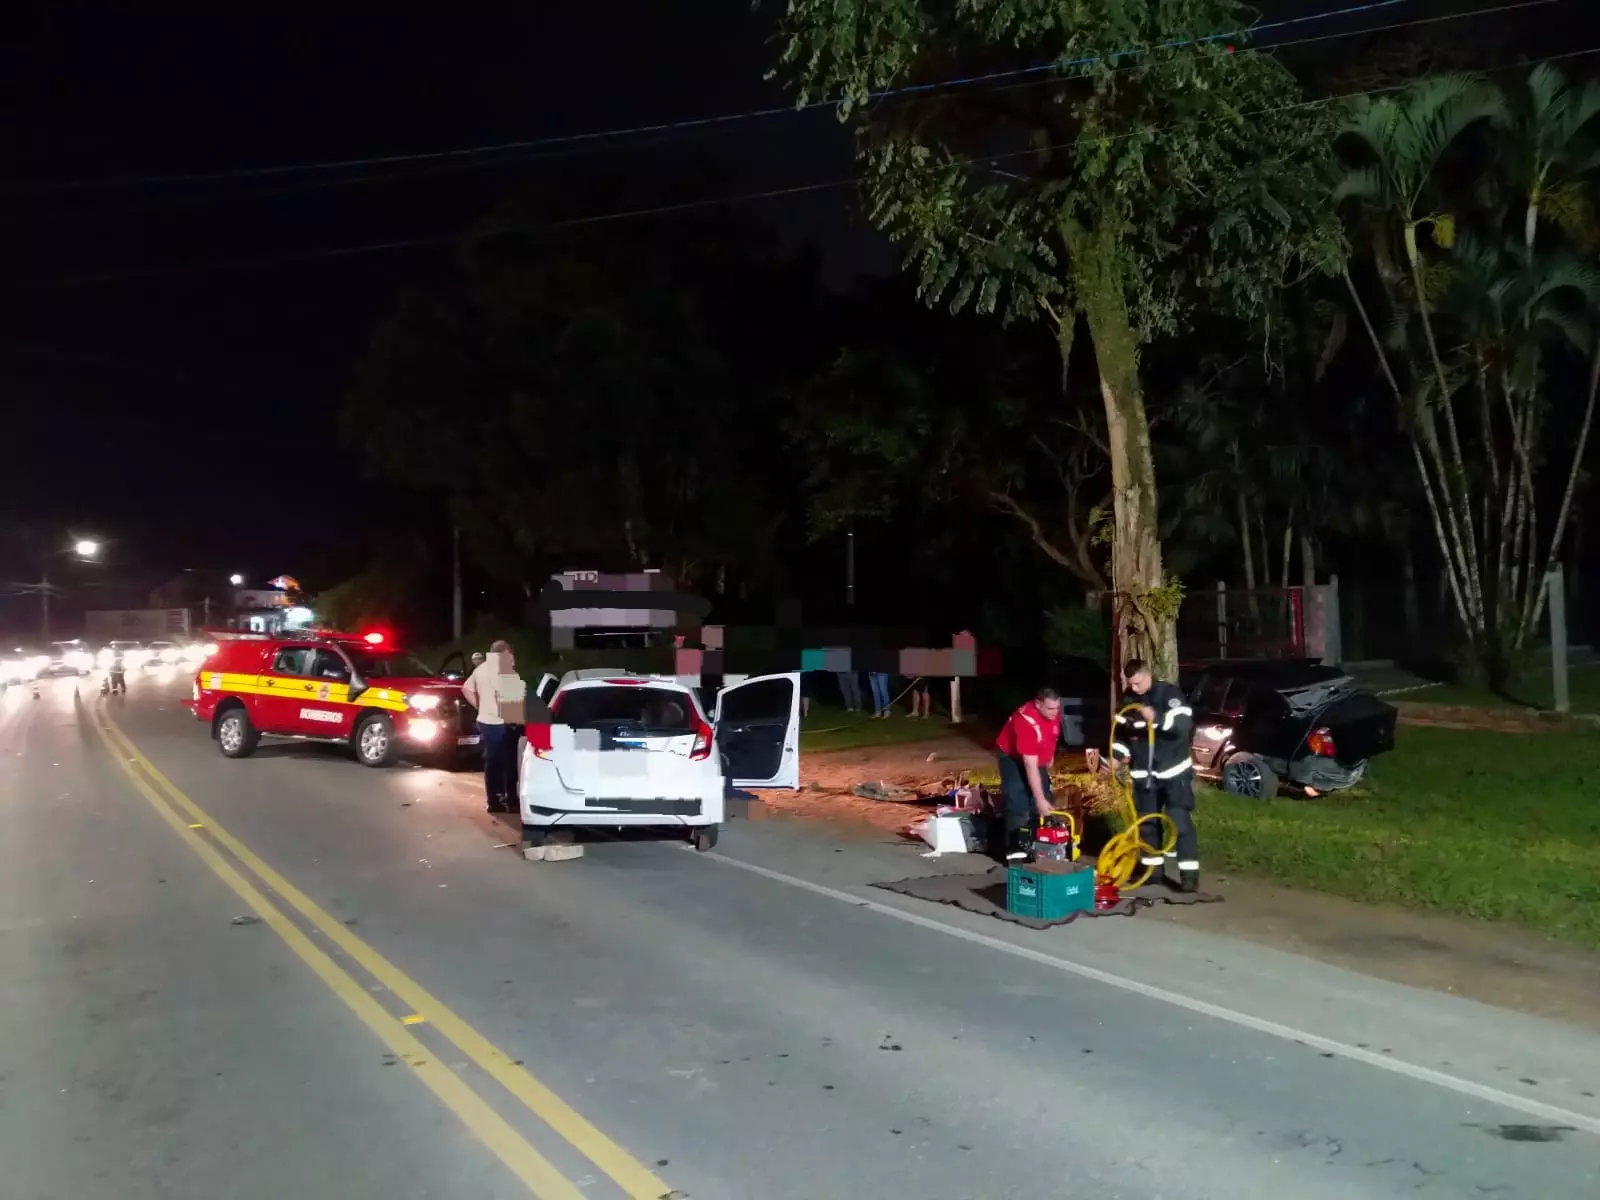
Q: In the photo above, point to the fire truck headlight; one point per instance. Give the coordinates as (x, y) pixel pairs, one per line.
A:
(423, 701)
(423, 730)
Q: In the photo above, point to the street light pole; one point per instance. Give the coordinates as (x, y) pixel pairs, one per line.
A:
(83, 549)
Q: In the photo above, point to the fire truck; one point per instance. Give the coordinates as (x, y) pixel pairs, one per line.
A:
(356, 690)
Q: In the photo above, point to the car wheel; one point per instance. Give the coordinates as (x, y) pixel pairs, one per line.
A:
(1248, 776)
(236, 736)
(535, 835)
(374, 742)
(705, 838)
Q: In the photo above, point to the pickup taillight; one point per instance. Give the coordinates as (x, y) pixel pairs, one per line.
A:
(1320, 743)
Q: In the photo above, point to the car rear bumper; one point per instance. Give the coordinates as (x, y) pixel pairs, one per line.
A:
(1324, 774)
(690, 811)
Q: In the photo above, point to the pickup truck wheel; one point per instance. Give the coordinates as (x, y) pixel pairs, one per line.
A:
(705, 838)
(236, 737)
(535, 835)
(1248, 776)
(374, 742)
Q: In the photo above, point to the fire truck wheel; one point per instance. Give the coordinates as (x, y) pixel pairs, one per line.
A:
(374, 742)
(236, 737)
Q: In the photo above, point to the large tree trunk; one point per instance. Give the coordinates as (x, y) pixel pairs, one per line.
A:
(1149, 624)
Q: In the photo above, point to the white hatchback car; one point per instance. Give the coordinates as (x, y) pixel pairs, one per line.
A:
(638, 750)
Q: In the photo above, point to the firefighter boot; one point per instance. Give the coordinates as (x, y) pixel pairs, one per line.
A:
(1189, 880)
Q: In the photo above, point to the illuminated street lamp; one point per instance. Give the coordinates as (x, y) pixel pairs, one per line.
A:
(236, 579)
(86, 549)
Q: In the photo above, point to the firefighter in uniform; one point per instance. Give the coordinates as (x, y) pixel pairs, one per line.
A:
(1162, 773)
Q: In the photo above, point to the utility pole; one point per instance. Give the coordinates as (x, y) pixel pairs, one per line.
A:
(850, 566)
(455, 582)
(1557, 583)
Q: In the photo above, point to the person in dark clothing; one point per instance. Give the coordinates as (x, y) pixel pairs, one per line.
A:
(1154, 745)
(1026, 746)
(849, 689)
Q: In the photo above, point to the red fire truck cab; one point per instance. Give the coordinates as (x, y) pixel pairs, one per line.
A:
(328, 687)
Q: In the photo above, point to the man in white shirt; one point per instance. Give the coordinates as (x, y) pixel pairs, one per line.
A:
(497, 739)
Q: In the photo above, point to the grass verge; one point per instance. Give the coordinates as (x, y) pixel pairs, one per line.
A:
(830, 728)
(1497, 826)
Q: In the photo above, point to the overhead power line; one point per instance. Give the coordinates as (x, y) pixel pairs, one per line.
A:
(707, 202)
(690, 123)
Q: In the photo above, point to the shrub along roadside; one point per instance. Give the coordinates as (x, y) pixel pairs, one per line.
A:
(1497, 826)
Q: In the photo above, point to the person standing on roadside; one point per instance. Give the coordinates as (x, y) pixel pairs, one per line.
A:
(1027, 746)
(495, 737)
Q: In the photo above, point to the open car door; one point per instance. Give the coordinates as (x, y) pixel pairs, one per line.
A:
(758, 731)
(547, 687)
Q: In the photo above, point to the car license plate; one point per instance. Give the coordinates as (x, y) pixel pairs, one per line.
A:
(471, 740)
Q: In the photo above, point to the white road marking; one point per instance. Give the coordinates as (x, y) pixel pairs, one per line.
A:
(1454, 1083)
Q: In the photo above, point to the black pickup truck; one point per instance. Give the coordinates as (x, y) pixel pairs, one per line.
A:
(1261, 725)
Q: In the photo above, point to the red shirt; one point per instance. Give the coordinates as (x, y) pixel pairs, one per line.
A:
(1026, 732)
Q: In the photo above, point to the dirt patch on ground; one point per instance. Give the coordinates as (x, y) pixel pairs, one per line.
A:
(927, 768)
(1494, 964)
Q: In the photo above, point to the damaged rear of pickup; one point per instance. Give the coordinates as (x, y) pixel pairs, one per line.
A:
(1296, 724)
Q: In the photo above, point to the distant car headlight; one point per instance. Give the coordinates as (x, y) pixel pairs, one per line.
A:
(423, 701)
(105, 658)
(80, 660)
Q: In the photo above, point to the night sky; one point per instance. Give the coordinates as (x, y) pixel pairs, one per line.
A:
(152, 394)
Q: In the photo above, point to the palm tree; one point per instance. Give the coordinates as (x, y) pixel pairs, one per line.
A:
(1504, 298)
(1400, 143)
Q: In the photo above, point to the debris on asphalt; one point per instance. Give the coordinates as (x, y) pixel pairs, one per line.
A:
(247, 920)
(503, 845)
(557, 852)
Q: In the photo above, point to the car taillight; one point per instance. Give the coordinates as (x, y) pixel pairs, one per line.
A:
(543, 751)
(1320, 742)
(702, 743)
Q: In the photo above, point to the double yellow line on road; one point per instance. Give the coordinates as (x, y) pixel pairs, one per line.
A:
(209, 840)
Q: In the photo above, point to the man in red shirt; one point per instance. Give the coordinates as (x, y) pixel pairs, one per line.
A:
(1026, 747)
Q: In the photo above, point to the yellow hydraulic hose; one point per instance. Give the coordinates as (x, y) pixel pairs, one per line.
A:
(1121, 858)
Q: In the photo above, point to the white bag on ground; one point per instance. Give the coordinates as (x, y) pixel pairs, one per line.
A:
(944, 833)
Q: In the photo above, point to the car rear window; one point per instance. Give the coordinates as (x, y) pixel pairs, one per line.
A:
(645, 709)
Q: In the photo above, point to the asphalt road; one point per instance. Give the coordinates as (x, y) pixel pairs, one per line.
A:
(294, 977)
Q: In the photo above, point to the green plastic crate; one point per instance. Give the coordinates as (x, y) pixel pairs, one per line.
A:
(1049, 891)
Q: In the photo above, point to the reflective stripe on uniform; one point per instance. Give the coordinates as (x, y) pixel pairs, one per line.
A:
(1151, 862)
(1119, 748)
(1139, 773)
(1189, 864)
(1174, 713)
(1179, 769)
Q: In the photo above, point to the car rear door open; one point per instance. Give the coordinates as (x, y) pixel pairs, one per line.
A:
(758, 731)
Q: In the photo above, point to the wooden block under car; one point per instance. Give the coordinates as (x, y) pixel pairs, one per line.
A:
(553, 852)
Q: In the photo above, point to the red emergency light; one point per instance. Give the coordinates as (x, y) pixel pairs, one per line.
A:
(375, 638)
